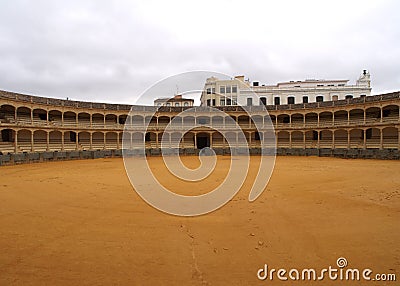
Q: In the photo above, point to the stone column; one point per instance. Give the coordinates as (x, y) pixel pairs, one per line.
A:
(16, 142)
(381, 139)
(333, 139)
(290, 140)
(304, 139)
(32, 142)
(91, 140)
(211, 135)
(318, 136)
(195, 140)
(76, 141)
(348, 139)
(62, 141)
(47, 141)
(104, 140)
(118, 147)
(157, 144)
(365, 139)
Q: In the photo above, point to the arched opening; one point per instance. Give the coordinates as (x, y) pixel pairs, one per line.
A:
(283, 139)
(311, 140)
(297, 139)
(98, 141)
(55, 117)
(163, 121)
(7, 141)
(203, 140)
(356, 138)
(151, 140)
(189, 121)
(325, 139)
(341, 139)
(111, 120)
(188, 140)
(243, 121)
(203, 120)
(256, 121)
(69, 118)
(373, 138)
(84, 140)
(24, 140)
(357, 116)
(390, 137)
(39, 141)
(341, 117)
(70, 138)
(217, 122)
(7, 113)
(98, 120)
(122, 119)
(372, 114)
(325, 118)
(217, 140)
(84, 119)
(39, 116)
(283, 120)
(111, 140)
(311, 119)
(297, 119)
(55, 143)
(390, 113)
(24, 115)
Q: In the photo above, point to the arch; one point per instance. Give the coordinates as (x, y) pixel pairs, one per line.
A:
(297, 139)
(372, 114)
(188, 140)
(39, 141)
(97, 120)
(7, 139)
(97, 140)
(390, 113)
(356, 116)
(326, 139)
(122, 119)
(311, 139)
(111, 140)
(7, 113)
(325, 118)
(340, 139)
(55, 143)
(311, 119)
(203, 120)
(69, 118)
(163, 121)
(39, 116)
(356, 138)
(84, 140)
(83, 119)
(390, 137)
(243, 121)
(24, 140)
(283, 119)
(70, 138)
(151, 140)
(111, 120)
(55, 117)
(372, 138)
(297, 119)
(24, 115)
(189, 121)
(340, 117)
(283, 139)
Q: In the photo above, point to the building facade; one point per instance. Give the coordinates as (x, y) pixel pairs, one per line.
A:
(175, 101)
(238, 91)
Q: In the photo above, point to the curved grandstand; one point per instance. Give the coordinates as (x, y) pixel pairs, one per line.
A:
(38, 128)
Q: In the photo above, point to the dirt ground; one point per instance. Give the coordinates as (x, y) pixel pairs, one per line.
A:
(81, 223)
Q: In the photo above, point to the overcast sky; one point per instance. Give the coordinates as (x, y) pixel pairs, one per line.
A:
(111, 51)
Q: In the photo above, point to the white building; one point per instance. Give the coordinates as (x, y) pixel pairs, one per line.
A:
(239, 91)
(176, 101)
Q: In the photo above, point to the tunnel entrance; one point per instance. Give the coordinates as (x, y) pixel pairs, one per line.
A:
(203, 140)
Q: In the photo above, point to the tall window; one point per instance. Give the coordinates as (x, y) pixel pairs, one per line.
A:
(222, 89)
(185, 103)
(208, 90)
(176, 103)
(249, 101)
(320, 98)
(263, 101)
(305, 99)
(290, 100)
(349, 96)
(234, 89)
(228, 89)
(277, 101)
(228, 101)
(222, 102)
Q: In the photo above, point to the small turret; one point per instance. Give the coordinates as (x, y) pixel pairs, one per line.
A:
(364, 79)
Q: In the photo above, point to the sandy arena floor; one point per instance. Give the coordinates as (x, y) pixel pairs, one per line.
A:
(81, 223)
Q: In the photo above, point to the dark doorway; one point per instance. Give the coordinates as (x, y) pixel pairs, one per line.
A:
(263, 101)
(203, 141)
(6, 135)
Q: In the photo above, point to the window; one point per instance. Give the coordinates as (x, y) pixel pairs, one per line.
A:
(330, 85)
(222, 89)
(249, 101)
(168, 104)
(176, 103)
(305, 99)
(213, 90)
(213, 102)
(349, 96)
(186, 103)
(228, 101)
(234, 89)
(340, 84)
(222, 102)
(368, 134)
(335, 97)
(315, 135)
(147, 137)
(363, 95)
(290, 100)
(319, 85)
(297, 86)
(234, 101)
(208, 102)
(263, 101)
(208, 90)
(277, 101)
(257, 136)
(228, 89)
(320, 98)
